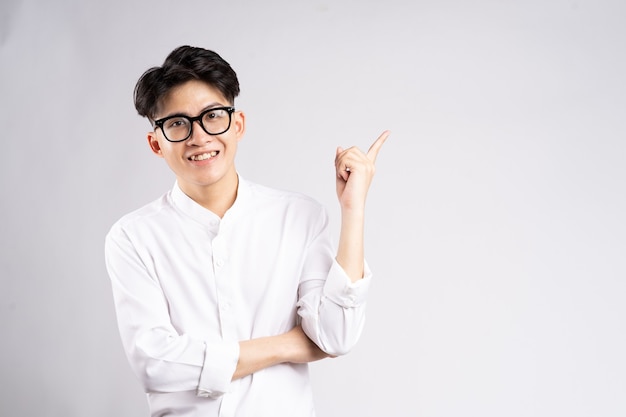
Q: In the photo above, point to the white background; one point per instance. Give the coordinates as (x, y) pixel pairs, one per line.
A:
(495, 225)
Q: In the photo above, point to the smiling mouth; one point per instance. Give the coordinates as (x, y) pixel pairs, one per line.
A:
(203, 156)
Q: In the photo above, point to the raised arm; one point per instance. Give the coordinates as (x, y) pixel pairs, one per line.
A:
(332, 308)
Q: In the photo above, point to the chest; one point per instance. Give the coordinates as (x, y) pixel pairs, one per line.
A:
(245, 273)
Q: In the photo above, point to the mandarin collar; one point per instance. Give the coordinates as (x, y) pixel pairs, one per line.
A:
(205, 216)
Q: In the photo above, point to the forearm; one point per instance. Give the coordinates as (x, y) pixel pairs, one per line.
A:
(293, 346)
(355, 171)
(350, 249)
(257, 354)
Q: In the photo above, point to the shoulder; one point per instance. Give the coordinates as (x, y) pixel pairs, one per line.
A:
(263, 195)
(150, 213)
(279, 209)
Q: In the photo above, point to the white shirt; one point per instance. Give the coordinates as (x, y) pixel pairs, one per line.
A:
(188, 286)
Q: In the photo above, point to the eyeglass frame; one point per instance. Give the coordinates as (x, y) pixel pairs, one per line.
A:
(229, 109)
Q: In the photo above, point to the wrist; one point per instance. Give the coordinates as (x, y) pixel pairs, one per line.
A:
(352, 205)
(355, 212)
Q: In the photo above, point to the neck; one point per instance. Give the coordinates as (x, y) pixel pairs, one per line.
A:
(217, 197)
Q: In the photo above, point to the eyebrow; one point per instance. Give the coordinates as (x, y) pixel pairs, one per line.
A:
(205, 108)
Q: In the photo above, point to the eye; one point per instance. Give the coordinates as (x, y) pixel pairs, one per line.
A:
(176, 122)
(214, 114)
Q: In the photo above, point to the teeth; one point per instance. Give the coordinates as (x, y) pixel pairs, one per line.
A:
(203, 156)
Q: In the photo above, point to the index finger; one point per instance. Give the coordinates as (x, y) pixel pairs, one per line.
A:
(372, 152)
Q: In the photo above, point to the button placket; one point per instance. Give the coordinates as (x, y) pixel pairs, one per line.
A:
(224, 290)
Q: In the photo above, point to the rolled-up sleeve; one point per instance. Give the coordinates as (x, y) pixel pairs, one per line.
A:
(342, 291)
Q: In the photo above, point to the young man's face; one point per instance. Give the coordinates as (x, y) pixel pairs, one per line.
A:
(202, 161)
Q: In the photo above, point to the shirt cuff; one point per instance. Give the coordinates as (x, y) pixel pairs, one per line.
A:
(220, 363)
(342, 291)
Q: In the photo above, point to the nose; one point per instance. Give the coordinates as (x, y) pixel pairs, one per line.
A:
(198, 136)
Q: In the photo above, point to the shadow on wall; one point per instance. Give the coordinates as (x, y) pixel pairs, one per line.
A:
(8, 9)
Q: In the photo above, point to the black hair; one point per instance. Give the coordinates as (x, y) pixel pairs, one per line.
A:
(183, 64)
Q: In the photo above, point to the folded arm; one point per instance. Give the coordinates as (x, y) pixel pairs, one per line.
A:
(165, 360)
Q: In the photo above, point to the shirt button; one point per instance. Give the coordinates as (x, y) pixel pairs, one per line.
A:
(219, 263)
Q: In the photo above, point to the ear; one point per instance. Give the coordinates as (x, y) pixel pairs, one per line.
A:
(239, 124)
(154, 144)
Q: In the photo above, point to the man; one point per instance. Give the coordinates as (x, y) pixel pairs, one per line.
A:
(224, 289)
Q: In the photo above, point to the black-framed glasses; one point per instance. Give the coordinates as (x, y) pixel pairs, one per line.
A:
(178, 128)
